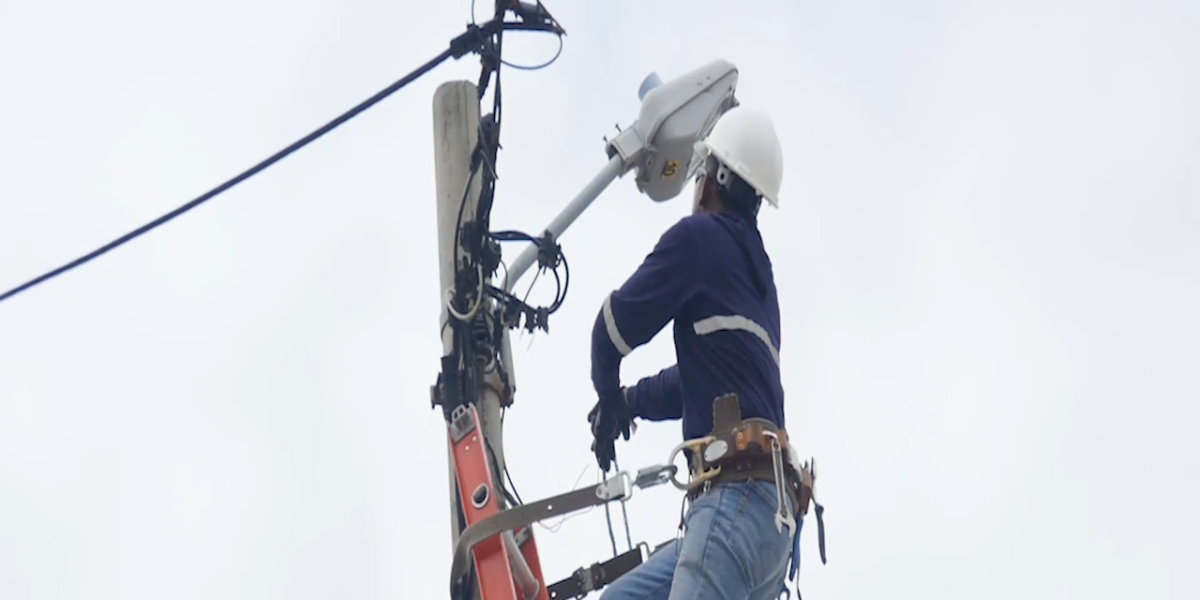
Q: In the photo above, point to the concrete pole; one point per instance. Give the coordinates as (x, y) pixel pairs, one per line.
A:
(455, 131)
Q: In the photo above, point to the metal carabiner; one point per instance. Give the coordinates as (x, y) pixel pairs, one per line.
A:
(702, 473)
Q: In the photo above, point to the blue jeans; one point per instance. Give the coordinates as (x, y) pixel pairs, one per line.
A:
(730, 551)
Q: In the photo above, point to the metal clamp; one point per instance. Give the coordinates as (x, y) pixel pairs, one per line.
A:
(653, 476)
(702, 473)
(617, 487)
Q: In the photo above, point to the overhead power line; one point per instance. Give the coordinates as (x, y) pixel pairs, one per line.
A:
(472, 40)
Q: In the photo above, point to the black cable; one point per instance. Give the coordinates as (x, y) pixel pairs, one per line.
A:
(462, 205)
(512, 486)
(558, 287)
(459, 46)
(611, 536)
(541, 9)
(511, 489)
(490, 49)
(553, 255)
(509, 235)
(304, 141)
(513, 497)
(566, 283)
(487, 141)
(467, 590)
(556, 252)
(624, 514)
(552, 60)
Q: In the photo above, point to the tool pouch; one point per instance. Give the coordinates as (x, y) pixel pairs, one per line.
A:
(742, 437)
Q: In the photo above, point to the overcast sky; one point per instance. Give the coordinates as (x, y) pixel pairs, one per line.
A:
(987, 258)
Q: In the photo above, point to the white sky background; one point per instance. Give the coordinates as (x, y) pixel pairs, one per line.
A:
(987, 260)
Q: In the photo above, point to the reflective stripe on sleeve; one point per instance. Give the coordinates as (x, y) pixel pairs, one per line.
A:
(614, 334)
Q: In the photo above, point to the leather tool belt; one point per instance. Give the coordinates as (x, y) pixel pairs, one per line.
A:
(743, 449)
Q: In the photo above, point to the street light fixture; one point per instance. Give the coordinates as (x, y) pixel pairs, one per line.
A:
(659, 145)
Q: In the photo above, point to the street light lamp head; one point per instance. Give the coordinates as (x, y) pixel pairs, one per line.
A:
(676, 114)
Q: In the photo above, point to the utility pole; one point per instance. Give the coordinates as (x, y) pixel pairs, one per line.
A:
(455, 134)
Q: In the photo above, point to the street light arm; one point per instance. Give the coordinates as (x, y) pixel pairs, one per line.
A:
(559, 225)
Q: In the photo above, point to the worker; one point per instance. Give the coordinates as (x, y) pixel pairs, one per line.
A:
(710, 274)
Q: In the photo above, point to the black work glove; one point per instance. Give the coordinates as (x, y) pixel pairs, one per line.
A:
(609, 418)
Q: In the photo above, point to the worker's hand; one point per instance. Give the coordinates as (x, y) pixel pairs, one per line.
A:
(609, 418)
(603, 442)
(605, 450)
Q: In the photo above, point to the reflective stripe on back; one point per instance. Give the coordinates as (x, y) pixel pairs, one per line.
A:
(726, 323)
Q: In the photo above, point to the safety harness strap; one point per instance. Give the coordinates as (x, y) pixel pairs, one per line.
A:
(596, 577)
(527, 514)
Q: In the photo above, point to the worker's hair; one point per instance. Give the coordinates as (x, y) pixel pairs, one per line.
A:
(735, 194)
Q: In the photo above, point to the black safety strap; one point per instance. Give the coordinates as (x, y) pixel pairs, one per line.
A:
(595, 577)
(820, 529)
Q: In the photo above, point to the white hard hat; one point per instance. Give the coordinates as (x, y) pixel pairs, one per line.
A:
(744, 140)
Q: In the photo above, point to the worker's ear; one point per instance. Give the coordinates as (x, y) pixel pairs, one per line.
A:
(708, 200)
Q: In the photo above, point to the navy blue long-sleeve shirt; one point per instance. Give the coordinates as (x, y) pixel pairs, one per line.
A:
(710, 274)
